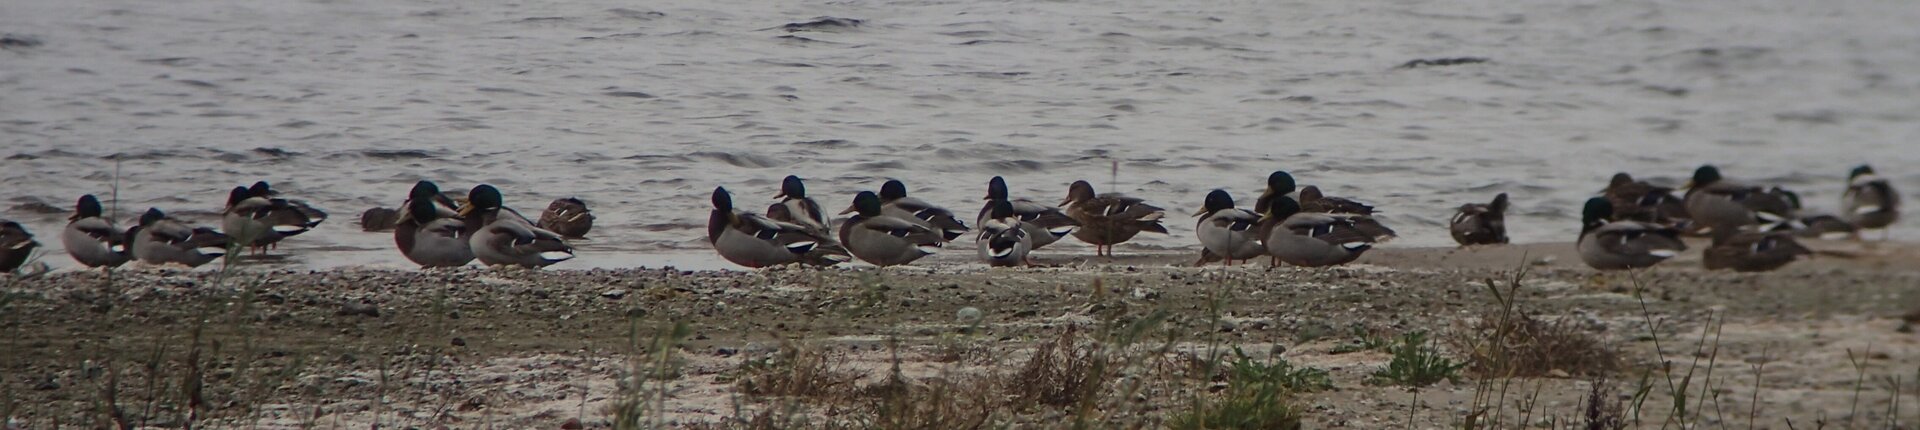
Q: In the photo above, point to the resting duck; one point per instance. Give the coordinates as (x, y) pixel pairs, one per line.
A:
(1481, 224)
(314, 216)
(895, 203)
(1227, 232)
(1044, 224)
(258, 220)
(1616, 245)
(1870, 201)
(1279, 183)
(1003, 240)
(16, 246)
(884, 240)
(499, 235)
(755, 241)
(1719, 204)
(1109, 219)
(1312, 239)
(91, 238)
(1311, 200)
(796, 207)
(162, 240)
(1642, 201)
(429, 230)
(1811, 225)
(1752, 251)
(569, 217)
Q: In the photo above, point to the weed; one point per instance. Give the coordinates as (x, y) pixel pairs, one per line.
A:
(1417, 363)
(1258, 396)
(1522, 345)
(796, 371)
(1062, 372)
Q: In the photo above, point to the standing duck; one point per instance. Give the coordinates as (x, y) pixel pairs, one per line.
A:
(1719, 204)
(91, 238)
(501, 236)
(754, 241)
(1642, 201)
(1752, 251)
(16, 246)
(162, 240)
(569, 217)
(1312, 239)
(1616, 245)
(1870, 201)
(1481, 224)
(1044, 224)
(1227, 232)
(884, 240)
(314, 216)
(895, 203)
(1109, 219)
(1279, 183)
(258, 220)
(1003, 240)
(430, 234)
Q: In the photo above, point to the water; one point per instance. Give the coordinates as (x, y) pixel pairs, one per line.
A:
(642, 108)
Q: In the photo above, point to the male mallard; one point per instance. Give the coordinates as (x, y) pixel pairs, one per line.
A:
(1311, 200)
(895, 203)
(1870, 201)
(257, 219)
(795, 207)
(501, 236)
(1312, 239)
(1752, 251)
(314, 216)
(1279, 183)
(91, 238)
(1044, 224)
(1003, 240)
(161, 240)
(1615, 245)
(430, 234)
(1811, 225)
(885, 240)
(1227, 232)
(1642, 201)
(569, 217)
(754, 241)
(16, 246)
(1719, 204)
(1109, 219)
(1481, 224)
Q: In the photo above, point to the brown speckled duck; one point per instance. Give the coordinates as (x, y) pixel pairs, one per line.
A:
(1481, 224)
(1109, 219)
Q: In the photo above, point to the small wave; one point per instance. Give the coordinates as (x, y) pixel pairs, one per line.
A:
(740, 160)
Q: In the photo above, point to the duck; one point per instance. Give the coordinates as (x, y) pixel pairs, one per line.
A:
(1718, 204)
(1643, 201)
(1623, 244)
(16, 246)
(91, 238)
(163, 240)
(567, 216)
(314, 215)
(1311, 200)
(1752, 251)
(1109, 219)
(1227, 232)
(379, 219)
(1312, 239)
(1481, 224)
(1044, 224)
(895, 203)
(755, 241)
(1003, 241)
(1869, 201)
(258, 220)
(884, 240)
(1811, 225)
(796, 207)
(429, 231)
(500, 236)
(1279, 183)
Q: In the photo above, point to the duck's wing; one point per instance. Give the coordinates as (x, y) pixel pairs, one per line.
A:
(1234, 219)
(1332, 229)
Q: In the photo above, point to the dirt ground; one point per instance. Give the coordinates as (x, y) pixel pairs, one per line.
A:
(1822, 341)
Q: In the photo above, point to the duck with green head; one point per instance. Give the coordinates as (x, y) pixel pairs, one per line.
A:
(1109, 219)
(1720, 204)
(1003, 241)
(755, 241)
(1618, 245)
(91, 238)
(1227, 232)
(895, 203)
(884, 240)
(500, 236)
(1312, 239)
(258, 220)
(1870, 201)
(429, 231)
(1044, 224)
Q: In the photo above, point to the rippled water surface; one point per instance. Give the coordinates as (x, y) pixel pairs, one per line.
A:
(641, 108)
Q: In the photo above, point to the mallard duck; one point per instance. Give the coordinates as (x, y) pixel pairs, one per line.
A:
(884, 240)
(1642, 201)
(379, 219)
(501, 236)
(314, 215)
(1752, 251)
(754, 241)
(257, 220)
(569, 217)
(1312, 239)
(1810, 225)
(1279, 183)
(1718, 204)
(1044, 224)
(1615, 245)
(16, 246)
(91, 238)
(430, 234)
(1003, 240)
(1227, 232)
(796, 207)
(895, 203)
(162, 240)
(1870, 201)
(1481, 224)
(1109, 219)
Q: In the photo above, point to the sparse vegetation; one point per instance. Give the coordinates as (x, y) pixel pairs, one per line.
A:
(1417, 363)
(1521, 345)
(797, 371)
(1259, 395)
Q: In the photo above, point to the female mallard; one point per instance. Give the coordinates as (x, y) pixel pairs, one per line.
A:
(1312, 239)
(569, 217)
(91, 238)
(755, 241)
(161, 240)
(256, 219)
(1870, 201)
(1718, 204)
(1227, 232)
(314, 216)
(1109, 219)
(1481, 224)
(1615, 245)
(885, 240)
(1311, 200)
(16, 246)
(501, 236)
(1003, 240)
(1642, 201)
(430, 234)
(895, 203)
(1752, 251)
(1044, 224)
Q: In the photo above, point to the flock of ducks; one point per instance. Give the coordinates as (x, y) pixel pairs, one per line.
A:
(1630, 225)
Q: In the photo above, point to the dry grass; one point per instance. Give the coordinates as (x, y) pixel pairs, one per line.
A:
(1063, 372)
(797, 371)
(1533, 347)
